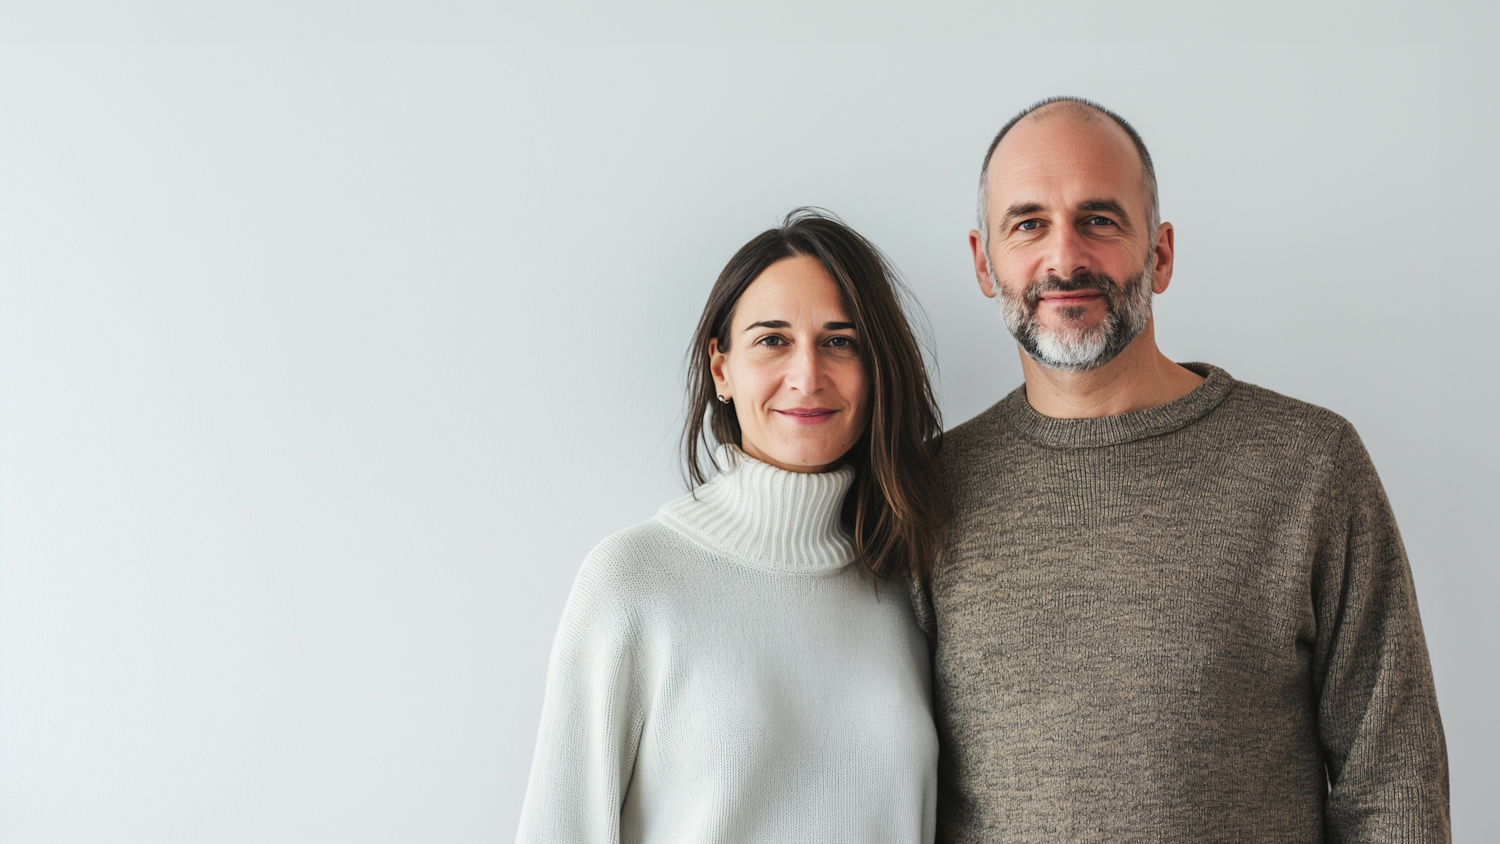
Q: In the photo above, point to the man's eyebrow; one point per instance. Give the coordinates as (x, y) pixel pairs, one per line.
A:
(1021, 209)
(1103, 205)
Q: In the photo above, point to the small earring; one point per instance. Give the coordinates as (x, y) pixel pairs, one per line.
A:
(723, 400)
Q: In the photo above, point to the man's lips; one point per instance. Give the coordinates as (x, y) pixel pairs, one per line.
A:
(1072, 297)
(808, 415)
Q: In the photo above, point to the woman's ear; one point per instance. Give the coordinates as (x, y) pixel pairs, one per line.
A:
(716, 366)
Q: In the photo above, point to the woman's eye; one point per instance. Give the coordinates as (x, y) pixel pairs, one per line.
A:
(841, 342)
(1029, 225)
(773, 340)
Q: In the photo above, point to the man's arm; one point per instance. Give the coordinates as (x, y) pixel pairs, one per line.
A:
(1378, 718)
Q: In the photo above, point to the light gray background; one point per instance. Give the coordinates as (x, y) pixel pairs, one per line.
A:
(333, 335)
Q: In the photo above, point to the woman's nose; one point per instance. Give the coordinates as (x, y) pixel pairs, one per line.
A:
(804, 372)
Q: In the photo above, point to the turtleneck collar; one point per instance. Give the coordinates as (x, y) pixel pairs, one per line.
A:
(1124, 428)
(767, 517)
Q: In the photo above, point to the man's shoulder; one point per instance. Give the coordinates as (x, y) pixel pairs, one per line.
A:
(1252, 411)
(1248, 413)
(977, 435)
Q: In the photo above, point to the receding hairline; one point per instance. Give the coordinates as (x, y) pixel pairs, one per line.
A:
(1081, 109)
(1076, 107)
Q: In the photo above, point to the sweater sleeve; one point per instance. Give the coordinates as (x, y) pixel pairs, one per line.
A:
(591, 718)
(1378, 718)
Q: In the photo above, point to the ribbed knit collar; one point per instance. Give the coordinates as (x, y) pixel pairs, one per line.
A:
(767, 517)
(1124, 428)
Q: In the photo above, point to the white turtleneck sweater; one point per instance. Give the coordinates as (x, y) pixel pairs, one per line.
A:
(724, 674)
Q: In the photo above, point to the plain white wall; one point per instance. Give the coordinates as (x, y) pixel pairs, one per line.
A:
(333, 335)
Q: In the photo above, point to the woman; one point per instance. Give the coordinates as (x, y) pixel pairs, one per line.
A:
(745, 666)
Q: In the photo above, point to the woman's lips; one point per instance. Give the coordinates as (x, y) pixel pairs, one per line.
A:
(808, 415)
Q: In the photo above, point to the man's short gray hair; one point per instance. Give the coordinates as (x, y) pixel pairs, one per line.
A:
(1088, 109)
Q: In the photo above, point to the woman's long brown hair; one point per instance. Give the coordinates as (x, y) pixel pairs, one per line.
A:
(896, 510)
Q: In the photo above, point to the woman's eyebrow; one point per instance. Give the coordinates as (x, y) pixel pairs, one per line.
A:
(781, 323)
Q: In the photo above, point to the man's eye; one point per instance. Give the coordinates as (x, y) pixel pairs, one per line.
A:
(1101, 221)
(1029, 225)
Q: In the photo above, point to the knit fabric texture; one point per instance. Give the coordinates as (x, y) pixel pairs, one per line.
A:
(1189, 623)
(723, 673)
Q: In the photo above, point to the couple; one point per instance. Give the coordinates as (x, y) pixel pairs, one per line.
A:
(1132, 601)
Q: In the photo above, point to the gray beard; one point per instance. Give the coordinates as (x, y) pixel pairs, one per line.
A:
(1077, 348)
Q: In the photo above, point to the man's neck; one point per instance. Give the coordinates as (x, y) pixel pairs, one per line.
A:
(1140, 377)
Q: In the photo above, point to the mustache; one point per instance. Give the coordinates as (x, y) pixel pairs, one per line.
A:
(1101, 284)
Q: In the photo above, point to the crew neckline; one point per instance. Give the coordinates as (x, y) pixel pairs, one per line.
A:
(1103, 431)
(768, 518)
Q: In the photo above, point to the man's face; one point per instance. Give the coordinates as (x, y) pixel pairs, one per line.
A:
(1073, 342)
(1069, 257)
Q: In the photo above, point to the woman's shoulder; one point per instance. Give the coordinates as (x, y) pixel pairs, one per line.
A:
(631, 576)
(636, 557)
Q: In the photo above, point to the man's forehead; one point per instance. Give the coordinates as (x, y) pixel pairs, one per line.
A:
(1066, 146)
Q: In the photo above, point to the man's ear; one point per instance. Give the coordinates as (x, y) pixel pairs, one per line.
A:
(1162, 275)
(716, 366)
(981, 265)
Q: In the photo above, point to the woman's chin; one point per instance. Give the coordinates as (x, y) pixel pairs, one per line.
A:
(804, 457)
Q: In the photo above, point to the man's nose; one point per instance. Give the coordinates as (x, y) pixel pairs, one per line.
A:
(1068, 253)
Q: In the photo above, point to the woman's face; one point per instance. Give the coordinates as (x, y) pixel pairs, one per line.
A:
(793, 369)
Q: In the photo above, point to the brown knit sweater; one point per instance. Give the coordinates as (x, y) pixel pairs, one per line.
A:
(1189, 623)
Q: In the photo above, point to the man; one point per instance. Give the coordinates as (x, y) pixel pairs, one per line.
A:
(1173, 606)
